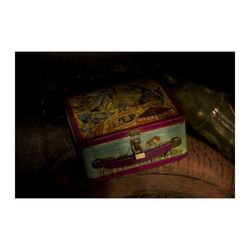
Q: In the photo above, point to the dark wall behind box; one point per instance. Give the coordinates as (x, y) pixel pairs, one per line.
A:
(43, 79)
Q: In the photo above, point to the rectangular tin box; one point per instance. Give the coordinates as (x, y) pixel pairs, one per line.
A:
(127, 128)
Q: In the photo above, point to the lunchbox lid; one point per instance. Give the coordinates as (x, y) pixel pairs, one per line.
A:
(112, 113)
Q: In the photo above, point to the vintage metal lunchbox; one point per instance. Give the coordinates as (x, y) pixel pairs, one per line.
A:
(127, 128)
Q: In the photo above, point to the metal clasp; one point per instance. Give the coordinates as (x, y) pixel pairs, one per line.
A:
(137, 149)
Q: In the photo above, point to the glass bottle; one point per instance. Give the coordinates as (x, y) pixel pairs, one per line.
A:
(207, 112)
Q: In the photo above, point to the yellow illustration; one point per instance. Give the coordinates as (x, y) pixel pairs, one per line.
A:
(121, 107)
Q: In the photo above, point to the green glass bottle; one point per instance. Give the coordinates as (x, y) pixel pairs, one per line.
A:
(207, 112)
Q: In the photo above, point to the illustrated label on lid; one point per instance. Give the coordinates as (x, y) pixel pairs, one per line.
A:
(121, 107)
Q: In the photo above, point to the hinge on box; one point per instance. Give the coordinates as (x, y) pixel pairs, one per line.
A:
(134, 133)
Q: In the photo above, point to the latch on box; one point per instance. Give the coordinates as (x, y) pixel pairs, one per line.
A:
(137, 149)
(136, 145)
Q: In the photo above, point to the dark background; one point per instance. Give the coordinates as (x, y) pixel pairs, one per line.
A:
(43, 79)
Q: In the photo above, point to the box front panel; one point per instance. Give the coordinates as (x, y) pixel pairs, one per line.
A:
(122, 148)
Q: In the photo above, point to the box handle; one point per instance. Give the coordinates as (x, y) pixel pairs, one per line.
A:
(130, 160)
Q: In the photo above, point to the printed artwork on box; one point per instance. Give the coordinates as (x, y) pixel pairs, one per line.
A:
(120, 107)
